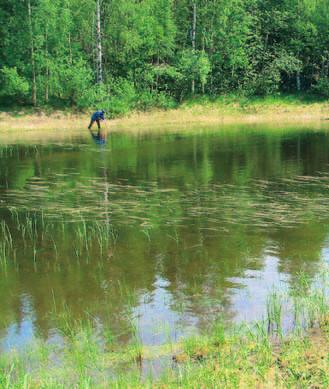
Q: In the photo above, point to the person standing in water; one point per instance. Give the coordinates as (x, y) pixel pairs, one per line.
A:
(97, 117)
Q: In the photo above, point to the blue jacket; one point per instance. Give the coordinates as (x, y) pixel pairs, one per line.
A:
(98, 115)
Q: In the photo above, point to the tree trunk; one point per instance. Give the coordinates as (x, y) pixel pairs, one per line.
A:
(157, 76)
(203, 51)
(70, 49)
(193, 41)
(99, 44)
(298, 82)
(47, 69)
(34, 83)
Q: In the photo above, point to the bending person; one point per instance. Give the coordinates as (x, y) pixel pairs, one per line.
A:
(97, 117)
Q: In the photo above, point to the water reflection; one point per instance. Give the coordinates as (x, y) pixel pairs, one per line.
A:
(98, 137)
(163, 229)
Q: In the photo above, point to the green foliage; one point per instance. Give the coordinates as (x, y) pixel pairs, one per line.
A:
(321, 88)
(70, 81)
(270, 78)
(117, 97)
(194, 65)
(12, 84)
(147, 100)
(121, 97)
(191, 65)
(253, 47)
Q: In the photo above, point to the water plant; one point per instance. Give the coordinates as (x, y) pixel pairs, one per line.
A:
(274, 312)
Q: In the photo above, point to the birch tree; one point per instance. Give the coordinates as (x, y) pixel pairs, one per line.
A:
(34, 82)
(99, 43)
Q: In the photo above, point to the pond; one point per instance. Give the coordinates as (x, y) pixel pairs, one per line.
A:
(157, 233)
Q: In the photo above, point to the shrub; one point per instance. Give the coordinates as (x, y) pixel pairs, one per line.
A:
(117, 97)
(321, 88)
(12, 84)
(193, 65)
(70, 81)
(269, 79)
(147, 100)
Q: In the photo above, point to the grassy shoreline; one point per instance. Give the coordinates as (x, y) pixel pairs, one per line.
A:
(264, 354)
(224, 110)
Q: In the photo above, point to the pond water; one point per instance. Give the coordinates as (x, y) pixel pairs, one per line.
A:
(158, 233)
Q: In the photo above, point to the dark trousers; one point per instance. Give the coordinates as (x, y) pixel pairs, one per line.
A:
(93, 121)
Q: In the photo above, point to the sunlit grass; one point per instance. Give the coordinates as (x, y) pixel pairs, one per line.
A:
(204, 111)
(244, 355)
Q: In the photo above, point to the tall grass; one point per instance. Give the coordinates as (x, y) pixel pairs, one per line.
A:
(33, 232)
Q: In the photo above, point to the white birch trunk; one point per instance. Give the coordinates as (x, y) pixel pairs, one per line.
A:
(34, 83)
(47, 68)
(193, 41)
(99, 44)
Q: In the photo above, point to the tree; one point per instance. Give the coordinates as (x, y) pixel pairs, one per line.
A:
(164, 49)
(99, 43)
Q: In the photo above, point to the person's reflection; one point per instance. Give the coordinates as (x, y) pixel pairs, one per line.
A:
(100, 137)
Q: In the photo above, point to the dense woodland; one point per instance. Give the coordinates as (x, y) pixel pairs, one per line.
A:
(136, 54)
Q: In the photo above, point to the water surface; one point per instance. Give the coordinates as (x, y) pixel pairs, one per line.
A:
(162, 232)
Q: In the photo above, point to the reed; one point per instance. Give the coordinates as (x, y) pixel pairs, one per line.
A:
(274, 313)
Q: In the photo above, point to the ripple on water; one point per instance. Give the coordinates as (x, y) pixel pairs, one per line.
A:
(262, 204)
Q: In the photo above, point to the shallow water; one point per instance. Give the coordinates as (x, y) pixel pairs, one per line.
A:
(157, 233)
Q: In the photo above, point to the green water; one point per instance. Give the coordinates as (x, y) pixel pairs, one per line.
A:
(159, 233)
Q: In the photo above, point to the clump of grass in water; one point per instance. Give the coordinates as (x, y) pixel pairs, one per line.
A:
(35, 230)
(310, 301)
(6, 244)
(274, 313)
(136, 346)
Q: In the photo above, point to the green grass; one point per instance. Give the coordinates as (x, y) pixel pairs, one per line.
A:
(244, 102)
(235, 105)
(261, 354)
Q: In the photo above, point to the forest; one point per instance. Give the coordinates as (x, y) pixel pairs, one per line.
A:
(125, 55)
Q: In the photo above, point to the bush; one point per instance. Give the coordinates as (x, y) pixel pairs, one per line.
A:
(94, 97)
(321, 88)
(70, 81)
(12, 84)
(116, 97)
(147, 100)
(122, 97)
(269, 79)
(165, 101)
(267, 82)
